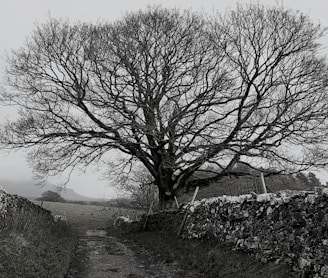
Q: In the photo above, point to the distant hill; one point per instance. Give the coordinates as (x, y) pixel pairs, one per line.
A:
(29, 189)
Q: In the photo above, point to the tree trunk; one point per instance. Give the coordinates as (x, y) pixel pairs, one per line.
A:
(164, 199)
(165, 187)
(161, 201)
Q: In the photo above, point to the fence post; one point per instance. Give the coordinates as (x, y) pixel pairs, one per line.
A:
(147, 217)
(264, 189)
(186, 213)
(176, 201)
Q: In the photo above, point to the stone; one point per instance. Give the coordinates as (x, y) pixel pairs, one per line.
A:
(324, 271)
(311, 199)
(324, 191)
(269, 210)
(263, 197)
(304, 263)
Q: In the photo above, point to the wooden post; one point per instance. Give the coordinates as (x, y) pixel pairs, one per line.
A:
(150, 211)
(195, 194)
(264, 189)
(147, 217)
(186, 213)
(176, 201)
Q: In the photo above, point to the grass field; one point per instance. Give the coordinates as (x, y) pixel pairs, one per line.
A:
(84, 217)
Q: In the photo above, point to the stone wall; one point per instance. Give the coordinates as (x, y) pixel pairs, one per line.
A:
(289, 228)
(11, 203)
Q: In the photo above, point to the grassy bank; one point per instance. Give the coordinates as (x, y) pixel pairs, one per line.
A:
(212, 259)
(32, 245)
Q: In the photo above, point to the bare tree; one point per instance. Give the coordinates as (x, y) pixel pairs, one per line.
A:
(174, 91)
(139, 186)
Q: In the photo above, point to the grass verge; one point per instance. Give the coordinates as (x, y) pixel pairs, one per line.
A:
(32, 245)
(212, 259)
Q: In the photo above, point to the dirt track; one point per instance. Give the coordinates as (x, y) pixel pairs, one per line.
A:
(99, 256)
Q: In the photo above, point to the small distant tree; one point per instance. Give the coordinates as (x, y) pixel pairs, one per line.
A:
(51, 196)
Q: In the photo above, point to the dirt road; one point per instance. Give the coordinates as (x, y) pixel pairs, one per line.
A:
(99, 256)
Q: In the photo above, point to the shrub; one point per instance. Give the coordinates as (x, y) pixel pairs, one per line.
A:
(51, 196)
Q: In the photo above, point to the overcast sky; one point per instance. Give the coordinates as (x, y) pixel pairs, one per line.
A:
(18, 19)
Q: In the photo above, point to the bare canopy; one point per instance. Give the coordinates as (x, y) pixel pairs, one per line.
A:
(175, 91)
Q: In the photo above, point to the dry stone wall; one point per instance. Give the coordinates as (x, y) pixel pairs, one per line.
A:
(11, 203)
(289, 227)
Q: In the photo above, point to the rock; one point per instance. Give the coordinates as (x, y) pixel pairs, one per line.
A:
(324, 191)
(263, 197)
(269, 210)
(303, 263)
(310, 199)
